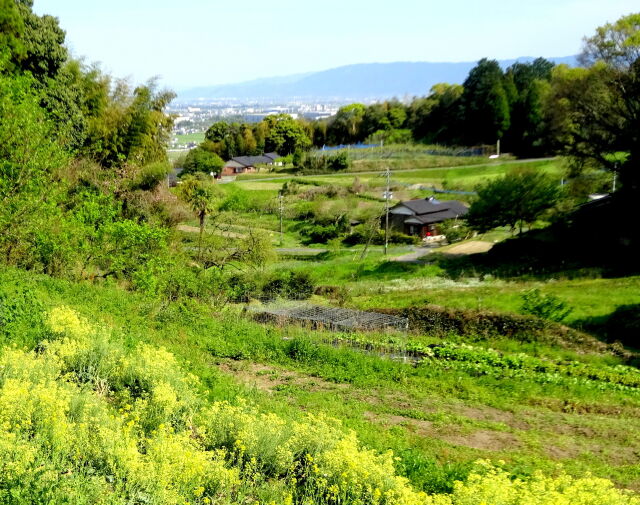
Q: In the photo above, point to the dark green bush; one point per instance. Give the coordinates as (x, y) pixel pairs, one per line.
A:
(623, 325)
(479, 324)
(289, 284)
(544, 306)
(319, 234)
(241, 288)
(362, 236)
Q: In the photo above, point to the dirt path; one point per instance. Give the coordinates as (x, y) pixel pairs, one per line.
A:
(473, 247)
(194, 229)
(415, 256)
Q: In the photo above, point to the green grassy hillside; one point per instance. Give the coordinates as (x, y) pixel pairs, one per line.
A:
(117, 397)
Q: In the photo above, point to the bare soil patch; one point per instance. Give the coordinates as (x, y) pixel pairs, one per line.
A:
(486, 440)
(269, 378)
(473, 247)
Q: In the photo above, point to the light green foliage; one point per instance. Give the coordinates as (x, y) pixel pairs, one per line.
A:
(130, 247)
(545, 306)
(518, 198)
(201, 196)
(30, 157)
(285, 135)
(150, 176)
(202, 160)
(592, 110)
(615, 43)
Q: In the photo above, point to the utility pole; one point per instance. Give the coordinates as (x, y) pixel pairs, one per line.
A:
(387, 195)
(280, 198)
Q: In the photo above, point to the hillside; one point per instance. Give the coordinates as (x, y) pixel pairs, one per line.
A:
(352, 82)
(115, 398)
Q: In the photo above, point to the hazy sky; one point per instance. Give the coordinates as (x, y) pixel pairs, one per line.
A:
(201, 42)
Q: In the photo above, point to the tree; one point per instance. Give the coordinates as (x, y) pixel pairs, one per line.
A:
(202, 160)
(345, 126)
(518, 198)
(285, 135)
(200, 196)
(11, 32)
(594, 112)
(30, 158)
(485, 103)
(42, 49)
(527, 132)
(130, 127)
(436, 118)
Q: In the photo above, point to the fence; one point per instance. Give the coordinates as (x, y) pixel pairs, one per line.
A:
(329, 317)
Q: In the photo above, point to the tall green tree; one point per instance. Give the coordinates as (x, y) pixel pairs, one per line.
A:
(527, 132)
(31, 157)
(594, 112)
(436, 118)
(202, 160)
(285, 135)
(11, 33)
(485, 104)
(345, 126)
(43, 52)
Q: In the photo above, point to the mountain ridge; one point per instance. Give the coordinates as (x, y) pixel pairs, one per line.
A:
(355, 81)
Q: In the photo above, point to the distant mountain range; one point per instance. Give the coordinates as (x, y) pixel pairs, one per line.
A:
(357, 82)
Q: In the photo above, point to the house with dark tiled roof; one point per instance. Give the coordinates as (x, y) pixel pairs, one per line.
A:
(247, 164)
(422, 216)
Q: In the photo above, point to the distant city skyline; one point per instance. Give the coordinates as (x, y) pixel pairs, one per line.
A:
(198, 42)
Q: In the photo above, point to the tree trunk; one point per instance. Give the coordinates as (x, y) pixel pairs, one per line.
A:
(201, 216)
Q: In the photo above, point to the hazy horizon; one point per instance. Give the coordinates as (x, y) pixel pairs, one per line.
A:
(198, 44)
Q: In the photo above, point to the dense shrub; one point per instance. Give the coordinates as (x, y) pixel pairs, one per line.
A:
(362, 236)
(319, 234)
(455, 230)
(623, 325)
(443, 321)
(545, 306)
(320, 163)
(182, 282)
(21, 320)
(293, 285)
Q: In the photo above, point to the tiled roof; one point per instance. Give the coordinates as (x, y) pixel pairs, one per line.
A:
(422, 207)
(250, 161)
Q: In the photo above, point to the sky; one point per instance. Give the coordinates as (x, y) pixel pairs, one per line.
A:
(191, 43)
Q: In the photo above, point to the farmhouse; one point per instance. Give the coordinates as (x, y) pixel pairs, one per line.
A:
(422, 216)
(247, 164)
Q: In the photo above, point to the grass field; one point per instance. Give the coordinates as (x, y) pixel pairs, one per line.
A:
(462, 178)
(190, 137)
